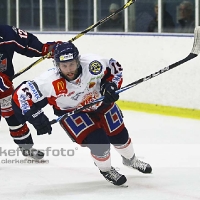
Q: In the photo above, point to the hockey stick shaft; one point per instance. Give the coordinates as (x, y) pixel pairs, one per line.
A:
(133, 84)
(103, 20)
(30, 66)
(161, 71)
(77, 36)
(194, 53)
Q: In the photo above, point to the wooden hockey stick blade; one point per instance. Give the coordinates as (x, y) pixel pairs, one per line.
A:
(77, 36)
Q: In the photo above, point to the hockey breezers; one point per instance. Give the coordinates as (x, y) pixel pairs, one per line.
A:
(194, 53)
(77, 36)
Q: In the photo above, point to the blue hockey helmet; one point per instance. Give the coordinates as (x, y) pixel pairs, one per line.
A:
(65, 51)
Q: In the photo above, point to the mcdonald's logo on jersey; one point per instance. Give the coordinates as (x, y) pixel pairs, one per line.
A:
(60, 86)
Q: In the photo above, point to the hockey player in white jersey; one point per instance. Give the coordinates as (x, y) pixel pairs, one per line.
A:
(74, 82)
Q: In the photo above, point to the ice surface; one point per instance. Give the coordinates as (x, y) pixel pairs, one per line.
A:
(170, 144)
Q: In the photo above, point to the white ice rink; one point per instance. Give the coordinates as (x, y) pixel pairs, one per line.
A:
(170, 144)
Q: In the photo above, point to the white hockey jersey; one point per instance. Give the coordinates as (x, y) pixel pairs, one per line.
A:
(68, 95)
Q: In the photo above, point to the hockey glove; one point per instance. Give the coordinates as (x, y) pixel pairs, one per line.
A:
(108, 91)
(39, 120)
(5, 82)
(49, 47)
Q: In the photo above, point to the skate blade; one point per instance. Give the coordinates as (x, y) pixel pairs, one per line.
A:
(123, 185)
(137, 169)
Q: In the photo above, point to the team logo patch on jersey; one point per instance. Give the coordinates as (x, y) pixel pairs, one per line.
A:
(60, 86)
(95, 67)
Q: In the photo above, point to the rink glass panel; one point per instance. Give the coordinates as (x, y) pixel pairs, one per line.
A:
(77, 15)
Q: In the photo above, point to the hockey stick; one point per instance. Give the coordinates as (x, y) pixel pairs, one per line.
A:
(77, 36)
(103, 20)
(194, 53)
(30, 66)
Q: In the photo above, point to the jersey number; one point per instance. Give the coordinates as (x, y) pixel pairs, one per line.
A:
(117, 67)
(22, 34)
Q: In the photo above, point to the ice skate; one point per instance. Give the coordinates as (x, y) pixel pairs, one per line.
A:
(32, 153)
(114, 177)
(137, 164)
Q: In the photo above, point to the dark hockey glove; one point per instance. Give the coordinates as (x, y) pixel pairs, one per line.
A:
(5, 82)
(39, 120)
(108, 91)
(49, 47)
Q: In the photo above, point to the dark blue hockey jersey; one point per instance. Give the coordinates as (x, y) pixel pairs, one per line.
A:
(12, 40)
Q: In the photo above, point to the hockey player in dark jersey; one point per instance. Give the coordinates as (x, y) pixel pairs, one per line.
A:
(12, 40)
